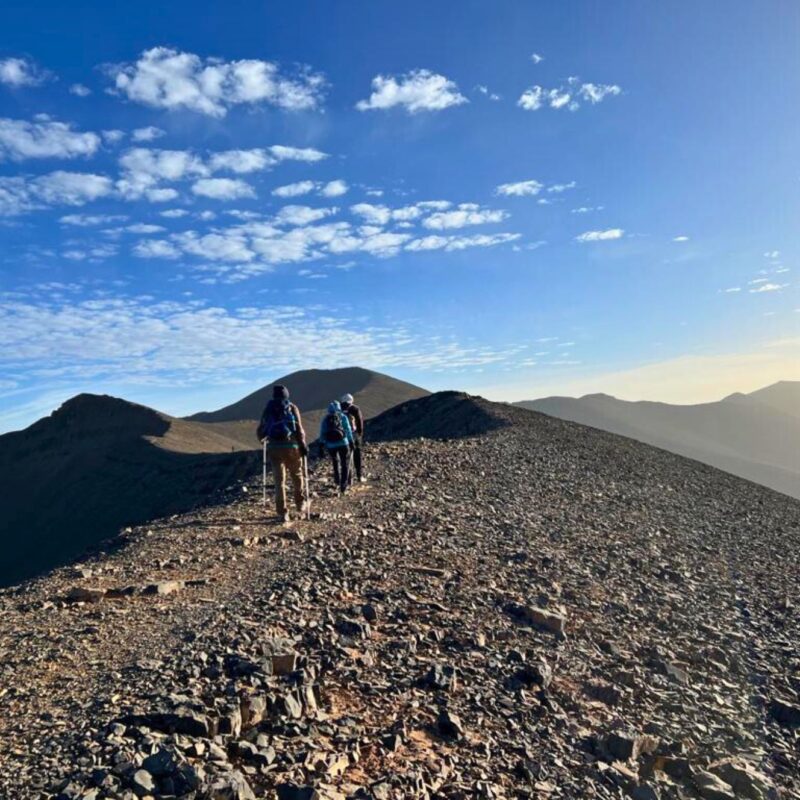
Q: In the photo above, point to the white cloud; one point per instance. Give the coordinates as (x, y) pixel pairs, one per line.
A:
(223, 188)
(418, 90)
(112, 136)
(601, 236)
(451, 243)
(558, 188)
(20, 139)
(733, 289)
(144, 228)
(302, 215)
(156, 248)
(175, 213)
(465, 214)
(88, 220)
(375, 215)
(595, 93)
(536, 58)
(767, 287)
(167, 78)
(531, 99)
(241, 161)
(19, 72)
(569, 97)
(307, 154)
(143, 168)
(680, 239)
(334, 188)
(80, 90)
(148, 134)
(294, 189)
(520, 189)
(224, 246)
(484, 90)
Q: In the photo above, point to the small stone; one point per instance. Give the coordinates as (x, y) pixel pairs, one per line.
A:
(449, 725)
(785, 713)
(142, 783)
(710, 787)
(82, 594)
(163, 588)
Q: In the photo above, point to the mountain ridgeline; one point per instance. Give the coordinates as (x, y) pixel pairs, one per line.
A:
(755, 436)
(99, 463)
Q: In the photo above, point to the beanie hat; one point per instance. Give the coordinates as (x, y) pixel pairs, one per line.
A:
(280, 392)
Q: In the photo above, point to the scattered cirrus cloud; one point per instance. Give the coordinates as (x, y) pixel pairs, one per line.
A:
(295, 189)
(20, 72)
(20, 139)
(335, 188)
(536, 58)
(520, 188)
(148, 134)
(20, 194)
(418, 90)
(465, 214)
(222, 188)
(80, 90)
(166, 78)
(680, 238)
(570, 96)
(600, 236)
(767, 286)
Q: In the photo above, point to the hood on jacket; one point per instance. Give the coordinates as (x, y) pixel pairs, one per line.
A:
(334, 407)
(280, 392)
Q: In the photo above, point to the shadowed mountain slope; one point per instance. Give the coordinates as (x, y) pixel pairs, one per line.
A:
(755, 436)
(96, 464)
(444, 415)
(313, 389)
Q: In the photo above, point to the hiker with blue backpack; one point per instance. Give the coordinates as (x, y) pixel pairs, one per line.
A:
(336, 436)
(281, 432)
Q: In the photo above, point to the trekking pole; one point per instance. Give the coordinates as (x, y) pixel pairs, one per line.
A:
(264, 473)
(308, 492)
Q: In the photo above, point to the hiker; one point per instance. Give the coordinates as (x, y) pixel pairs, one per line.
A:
(357, 423)
(336, 435)
(282, 428)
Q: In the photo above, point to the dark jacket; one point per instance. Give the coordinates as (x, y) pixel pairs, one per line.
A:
(356, 417)
(297, 438)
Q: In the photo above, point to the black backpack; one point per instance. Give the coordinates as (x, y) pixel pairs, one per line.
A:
(334, 428)
(279, 421)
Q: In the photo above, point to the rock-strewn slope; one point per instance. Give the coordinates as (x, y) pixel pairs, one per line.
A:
(540, 610)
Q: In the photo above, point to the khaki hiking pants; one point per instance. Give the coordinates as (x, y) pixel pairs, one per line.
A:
(283, 460)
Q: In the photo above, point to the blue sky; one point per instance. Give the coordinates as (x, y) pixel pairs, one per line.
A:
(511, 198)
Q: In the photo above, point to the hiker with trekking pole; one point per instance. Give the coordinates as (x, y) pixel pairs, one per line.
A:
(284, 446)
(357, 424)
(336, 436)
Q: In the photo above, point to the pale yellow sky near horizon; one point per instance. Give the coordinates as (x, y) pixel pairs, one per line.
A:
(685, 379)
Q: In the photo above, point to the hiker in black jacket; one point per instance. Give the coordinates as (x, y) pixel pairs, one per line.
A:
(357, 423)
(282, 428)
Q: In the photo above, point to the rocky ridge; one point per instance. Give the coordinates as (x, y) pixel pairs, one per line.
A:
(535, 610)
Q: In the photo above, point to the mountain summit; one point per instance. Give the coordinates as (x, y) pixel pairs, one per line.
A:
(313, 389)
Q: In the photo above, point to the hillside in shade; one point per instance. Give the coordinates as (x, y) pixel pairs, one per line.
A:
(755, 435)
(99, 463)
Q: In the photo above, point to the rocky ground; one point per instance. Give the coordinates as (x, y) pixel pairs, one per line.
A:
(536, 610)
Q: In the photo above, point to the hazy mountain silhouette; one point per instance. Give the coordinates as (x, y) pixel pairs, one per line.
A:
(313, 389)
(97, 464)
(755, 435)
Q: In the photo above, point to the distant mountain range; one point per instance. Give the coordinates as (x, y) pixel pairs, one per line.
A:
(100, 463)
(755, 436)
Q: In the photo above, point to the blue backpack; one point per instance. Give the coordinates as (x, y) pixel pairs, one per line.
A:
(280, 421)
